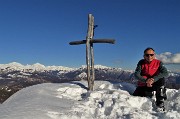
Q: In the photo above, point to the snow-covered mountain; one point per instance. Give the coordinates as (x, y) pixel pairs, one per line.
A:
(72, 101)
(18, 71)
(31, 68)
(15, 76)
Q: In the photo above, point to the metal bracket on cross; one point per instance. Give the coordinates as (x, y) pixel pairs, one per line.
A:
(89, 50)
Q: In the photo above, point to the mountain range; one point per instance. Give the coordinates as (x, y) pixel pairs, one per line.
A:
(15, 76)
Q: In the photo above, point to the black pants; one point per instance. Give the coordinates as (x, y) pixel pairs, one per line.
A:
(158, 86)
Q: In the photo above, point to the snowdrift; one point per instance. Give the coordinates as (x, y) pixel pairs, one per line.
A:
(73, 101)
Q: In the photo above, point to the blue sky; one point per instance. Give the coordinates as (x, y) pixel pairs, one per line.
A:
(34, 31)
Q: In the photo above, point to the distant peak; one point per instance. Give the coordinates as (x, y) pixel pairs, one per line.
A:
(34, 67)
(15, 64)
(38, 65)
(98, 66)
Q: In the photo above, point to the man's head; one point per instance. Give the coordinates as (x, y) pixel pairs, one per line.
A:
(149, 54)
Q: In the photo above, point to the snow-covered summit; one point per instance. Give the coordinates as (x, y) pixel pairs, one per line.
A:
(12, 65)
(72, 101)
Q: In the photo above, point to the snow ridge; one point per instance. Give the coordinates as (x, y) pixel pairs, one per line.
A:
(33, 67)
(40, 67)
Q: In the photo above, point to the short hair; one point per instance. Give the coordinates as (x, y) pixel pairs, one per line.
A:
(149, 48)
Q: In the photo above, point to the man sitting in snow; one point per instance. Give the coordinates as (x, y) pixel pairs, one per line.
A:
(151, 74)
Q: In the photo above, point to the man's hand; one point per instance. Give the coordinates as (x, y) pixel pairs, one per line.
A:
(149, 82)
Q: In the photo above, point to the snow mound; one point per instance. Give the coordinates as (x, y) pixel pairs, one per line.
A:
(73, 101)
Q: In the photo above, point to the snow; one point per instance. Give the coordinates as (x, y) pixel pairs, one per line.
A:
(72, 101)
(40, 67)
(33, 67)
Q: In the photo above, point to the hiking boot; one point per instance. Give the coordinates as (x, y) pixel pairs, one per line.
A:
(160, 106)
(160, 109)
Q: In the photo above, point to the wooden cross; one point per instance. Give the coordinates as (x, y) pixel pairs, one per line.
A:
(89, 50)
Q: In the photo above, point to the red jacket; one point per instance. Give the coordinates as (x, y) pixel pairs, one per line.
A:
(144, 70)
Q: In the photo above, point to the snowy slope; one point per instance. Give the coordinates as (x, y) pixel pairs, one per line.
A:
(72, 101)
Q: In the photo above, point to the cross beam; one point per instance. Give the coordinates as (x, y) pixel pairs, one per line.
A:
(111, 41)
(89, 50)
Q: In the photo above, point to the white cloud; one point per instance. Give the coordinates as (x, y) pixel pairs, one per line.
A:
(169, 58)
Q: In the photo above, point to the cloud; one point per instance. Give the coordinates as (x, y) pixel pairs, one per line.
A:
(169, 58)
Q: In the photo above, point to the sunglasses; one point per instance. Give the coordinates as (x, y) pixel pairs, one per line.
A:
(147, 55)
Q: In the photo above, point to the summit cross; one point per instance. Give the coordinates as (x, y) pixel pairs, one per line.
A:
(89, 50)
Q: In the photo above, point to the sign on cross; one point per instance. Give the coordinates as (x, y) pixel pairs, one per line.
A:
(89, 50)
